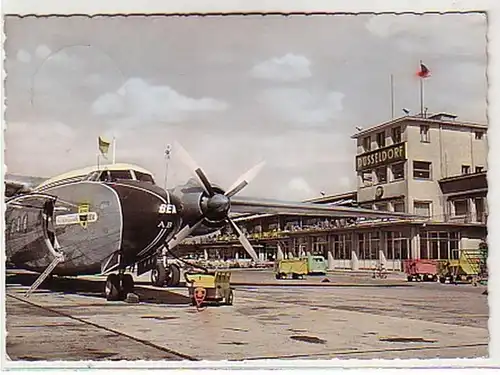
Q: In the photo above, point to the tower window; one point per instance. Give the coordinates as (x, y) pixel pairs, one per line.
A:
(424, 134)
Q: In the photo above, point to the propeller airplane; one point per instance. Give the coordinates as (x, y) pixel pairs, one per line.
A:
(105, 220)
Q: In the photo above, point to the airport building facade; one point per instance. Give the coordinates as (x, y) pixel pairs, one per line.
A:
(433, 166)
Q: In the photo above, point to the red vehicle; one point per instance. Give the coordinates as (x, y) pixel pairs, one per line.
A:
(421, 269)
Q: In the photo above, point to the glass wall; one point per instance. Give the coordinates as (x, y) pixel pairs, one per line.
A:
(368, 245)
(398, 245)
(342, 246)
(439, 245)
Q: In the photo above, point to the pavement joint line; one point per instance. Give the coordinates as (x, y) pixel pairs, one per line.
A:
(144, 342)
(369, 351)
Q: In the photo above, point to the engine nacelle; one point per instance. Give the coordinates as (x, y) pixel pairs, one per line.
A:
(208, 228)
(193, 205)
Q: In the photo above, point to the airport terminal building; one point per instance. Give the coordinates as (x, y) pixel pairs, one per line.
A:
(433, 166)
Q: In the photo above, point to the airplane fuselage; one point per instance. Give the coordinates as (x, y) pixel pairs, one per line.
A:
(90, 221)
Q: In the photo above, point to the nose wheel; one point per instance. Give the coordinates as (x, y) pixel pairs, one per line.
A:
(169, 276)
(118, 286)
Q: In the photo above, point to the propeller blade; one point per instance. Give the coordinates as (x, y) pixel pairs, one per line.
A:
(244, 179)
(244, 241)
(194, 167)
(183, 234)
(205, 183)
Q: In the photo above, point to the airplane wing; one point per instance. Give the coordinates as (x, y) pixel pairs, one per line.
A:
(271, 206)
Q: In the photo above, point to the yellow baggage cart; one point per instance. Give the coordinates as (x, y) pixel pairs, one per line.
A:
(297, 268)
(210, 287)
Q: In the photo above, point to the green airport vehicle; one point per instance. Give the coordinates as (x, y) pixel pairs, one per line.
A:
(316, 265)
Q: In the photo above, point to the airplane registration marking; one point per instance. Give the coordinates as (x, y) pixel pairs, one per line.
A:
(163, 225)
(167, 209)
(67, 219)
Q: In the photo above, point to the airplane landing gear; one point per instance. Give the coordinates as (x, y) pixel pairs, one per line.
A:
(118, 286)
(169, 275)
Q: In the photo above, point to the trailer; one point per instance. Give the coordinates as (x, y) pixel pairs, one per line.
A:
(297, 268)
(210, 287)
(468, 267)
(421, 269)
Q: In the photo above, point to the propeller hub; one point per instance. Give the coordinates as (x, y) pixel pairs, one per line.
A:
(217, 207)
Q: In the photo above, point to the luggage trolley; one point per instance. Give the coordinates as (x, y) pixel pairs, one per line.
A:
(210, 287)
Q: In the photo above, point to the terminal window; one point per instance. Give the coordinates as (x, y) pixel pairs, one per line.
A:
(424, 133)
(479, 134)
(422, 208)
(461, 207)
(381, 139)
(439, 245)
(366, 178)
(381, 206)
(479, 169)
(398, 171)
(396, 134)
(381, 175)
(398, 206)
(367, 142)
(422, 170)
(465, 169)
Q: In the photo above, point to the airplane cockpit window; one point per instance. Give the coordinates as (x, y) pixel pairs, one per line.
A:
(120, 175)
(144, 177)
(114, 175)
(104, 176)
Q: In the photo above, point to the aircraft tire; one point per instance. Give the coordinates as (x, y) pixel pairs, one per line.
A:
(174, 275)
(158, 275)
(112, 288)
(127, 284)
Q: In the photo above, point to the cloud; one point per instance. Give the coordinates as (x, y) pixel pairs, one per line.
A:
(287, 68)
(299, 185)
(45, 151)
(23, 56)
(140, 100)
(441, 34)
(303, 106)
(346, 182)
(42, 51)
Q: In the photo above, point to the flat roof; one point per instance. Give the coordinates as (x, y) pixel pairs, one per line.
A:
(428, 120)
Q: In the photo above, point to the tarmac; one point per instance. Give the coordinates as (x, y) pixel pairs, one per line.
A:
(350, 316)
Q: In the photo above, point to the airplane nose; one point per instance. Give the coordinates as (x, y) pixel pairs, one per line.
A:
(148, 218)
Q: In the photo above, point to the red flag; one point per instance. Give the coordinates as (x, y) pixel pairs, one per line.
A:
(423, 72)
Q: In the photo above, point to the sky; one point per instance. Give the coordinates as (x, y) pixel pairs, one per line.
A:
(233, 91)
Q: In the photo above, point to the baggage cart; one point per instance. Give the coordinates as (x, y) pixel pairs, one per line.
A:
(297, 268)
(210, 287)
(421, 269)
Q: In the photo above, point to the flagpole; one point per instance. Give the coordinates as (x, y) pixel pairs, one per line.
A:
(114, 150)
(167, 159)
(392, 95)
(421, 93)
